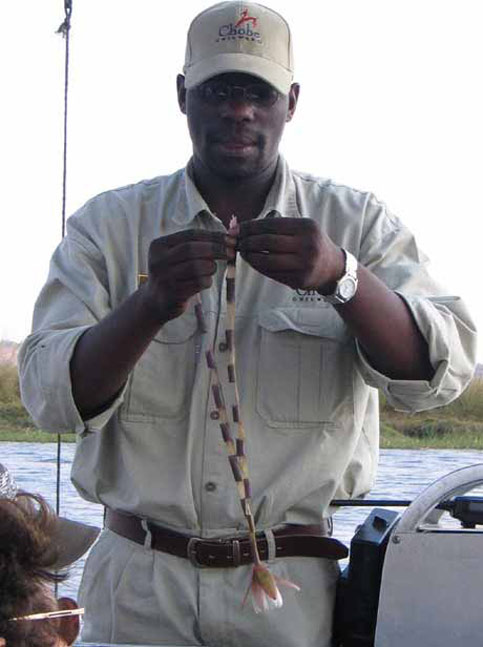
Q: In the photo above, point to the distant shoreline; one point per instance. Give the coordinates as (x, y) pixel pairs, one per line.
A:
(428, 435)
(32, 436)
(458, 425)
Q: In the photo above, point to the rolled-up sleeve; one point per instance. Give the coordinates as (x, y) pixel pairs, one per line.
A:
(73, 299)
(390, 251)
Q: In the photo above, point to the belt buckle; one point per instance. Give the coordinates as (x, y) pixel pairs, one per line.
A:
(229, 541)
(191, 552)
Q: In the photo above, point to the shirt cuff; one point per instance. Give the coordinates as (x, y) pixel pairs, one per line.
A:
(56, 409)
(99, 421)
(448, 380)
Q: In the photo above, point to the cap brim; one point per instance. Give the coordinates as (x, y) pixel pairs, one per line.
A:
(267, 70)
(73, 539)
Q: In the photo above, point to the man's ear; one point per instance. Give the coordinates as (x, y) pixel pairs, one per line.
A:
(181, 93)
(293, 97)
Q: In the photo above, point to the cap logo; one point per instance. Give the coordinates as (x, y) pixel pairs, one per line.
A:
(244, 28)
(246, 18)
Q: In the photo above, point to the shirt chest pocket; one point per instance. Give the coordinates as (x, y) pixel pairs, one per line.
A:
(162, 380)
(305, 364)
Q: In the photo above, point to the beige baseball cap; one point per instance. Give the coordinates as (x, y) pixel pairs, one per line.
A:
(239, 37)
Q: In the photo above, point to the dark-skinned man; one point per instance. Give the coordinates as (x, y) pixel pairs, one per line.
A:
(333, 301)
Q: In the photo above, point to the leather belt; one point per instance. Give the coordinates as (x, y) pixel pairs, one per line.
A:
(290, 541)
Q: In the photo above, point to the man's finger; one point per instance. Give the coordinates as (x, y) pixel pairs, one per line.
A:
(198, 249)
(282, 226)
(274, 270)
(189, 250)
(269, 263)
(194, 268)
(193, 286)
(187, 235)
(270, 242)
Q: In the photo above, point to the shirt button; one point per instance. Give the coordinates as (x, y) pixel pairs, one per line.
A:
(210, 486)
(215, 415)
(222, 347)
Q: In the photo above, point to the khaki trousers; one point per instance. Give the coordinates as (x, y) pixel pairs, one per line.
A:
(136, 595)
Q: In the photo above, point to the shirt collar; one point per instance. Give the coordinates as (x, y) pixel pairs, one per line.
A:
(281, 198)
(190, 202)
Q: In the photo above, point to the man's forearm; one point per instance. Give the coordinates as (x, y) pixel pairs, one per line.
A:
(385, 328)
(106, 353)
(179, 266)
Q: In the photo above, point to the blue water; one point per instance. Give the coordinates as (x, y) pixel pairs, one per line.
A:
(402, 474)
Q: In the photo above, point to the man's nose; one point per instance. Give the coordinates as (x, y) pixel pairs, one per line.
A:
(238, 108)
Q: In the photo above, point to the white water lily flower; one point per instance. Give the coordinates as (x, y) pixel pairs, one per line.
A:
(264, 588)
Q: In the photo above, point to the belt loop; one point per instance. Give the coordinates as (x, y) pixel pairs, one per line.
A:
(271, 545)
(148, 540)
(235, 546)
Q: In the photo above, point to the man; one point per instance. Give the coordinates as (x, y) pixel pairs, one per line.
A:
(117, 354)
(34, 545)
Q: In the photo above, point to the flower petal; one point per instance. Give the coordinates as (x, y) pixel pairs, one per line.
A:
(288, 583)
(259, 599)
(277, 602)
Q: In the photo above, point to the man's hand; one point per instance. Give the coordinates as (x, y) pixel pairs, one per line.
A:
(181, 265)
(292, 251)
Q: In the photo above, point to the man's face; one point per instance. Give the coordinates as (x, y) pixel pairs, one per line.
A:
(238, 137)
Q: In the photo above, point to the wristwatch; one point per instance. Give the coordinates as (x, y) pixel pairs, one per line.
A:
(346, 286)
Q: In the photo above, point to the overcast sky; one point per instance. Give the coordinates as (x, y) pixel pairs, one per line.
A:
(391, 102)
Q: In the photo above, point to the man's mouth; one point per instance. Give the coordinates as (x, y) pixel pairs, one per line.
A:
(235, 145)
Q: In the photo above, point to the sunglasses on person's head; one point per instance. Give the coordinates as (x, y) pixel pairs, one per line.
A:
(68, 616)
(50, 615)
(218, 92)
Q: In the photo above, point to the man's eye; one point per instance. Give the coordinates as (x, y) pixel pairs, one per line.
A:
(219, 91)
(212, 92)
(253, 94)
(261, 94)
(257, 92)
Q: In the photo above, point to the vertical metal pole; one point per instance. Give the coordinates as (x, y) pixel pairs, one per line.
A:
(64, 29)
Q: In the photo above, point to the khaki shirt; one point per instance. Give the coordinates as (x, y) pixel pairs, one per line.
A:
(309, 397)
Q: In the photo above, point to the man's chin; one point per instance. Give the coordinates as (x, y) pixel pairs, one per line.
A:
(234, 167)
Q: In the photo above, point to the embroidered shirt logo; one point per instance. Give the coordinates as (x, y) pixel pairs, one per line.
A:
(243, 29)
(307, 296)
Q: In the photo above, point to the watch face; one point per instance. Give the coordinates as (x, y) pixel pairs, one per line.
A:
(347, 288)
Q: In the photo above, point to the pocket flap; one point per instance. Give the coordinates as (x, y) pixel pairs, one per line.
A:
(318, 322)
(179, 330)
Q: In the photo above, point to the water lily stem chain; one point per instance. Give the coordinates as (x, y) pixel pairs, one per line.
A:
(235, 446)
(264, 586)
